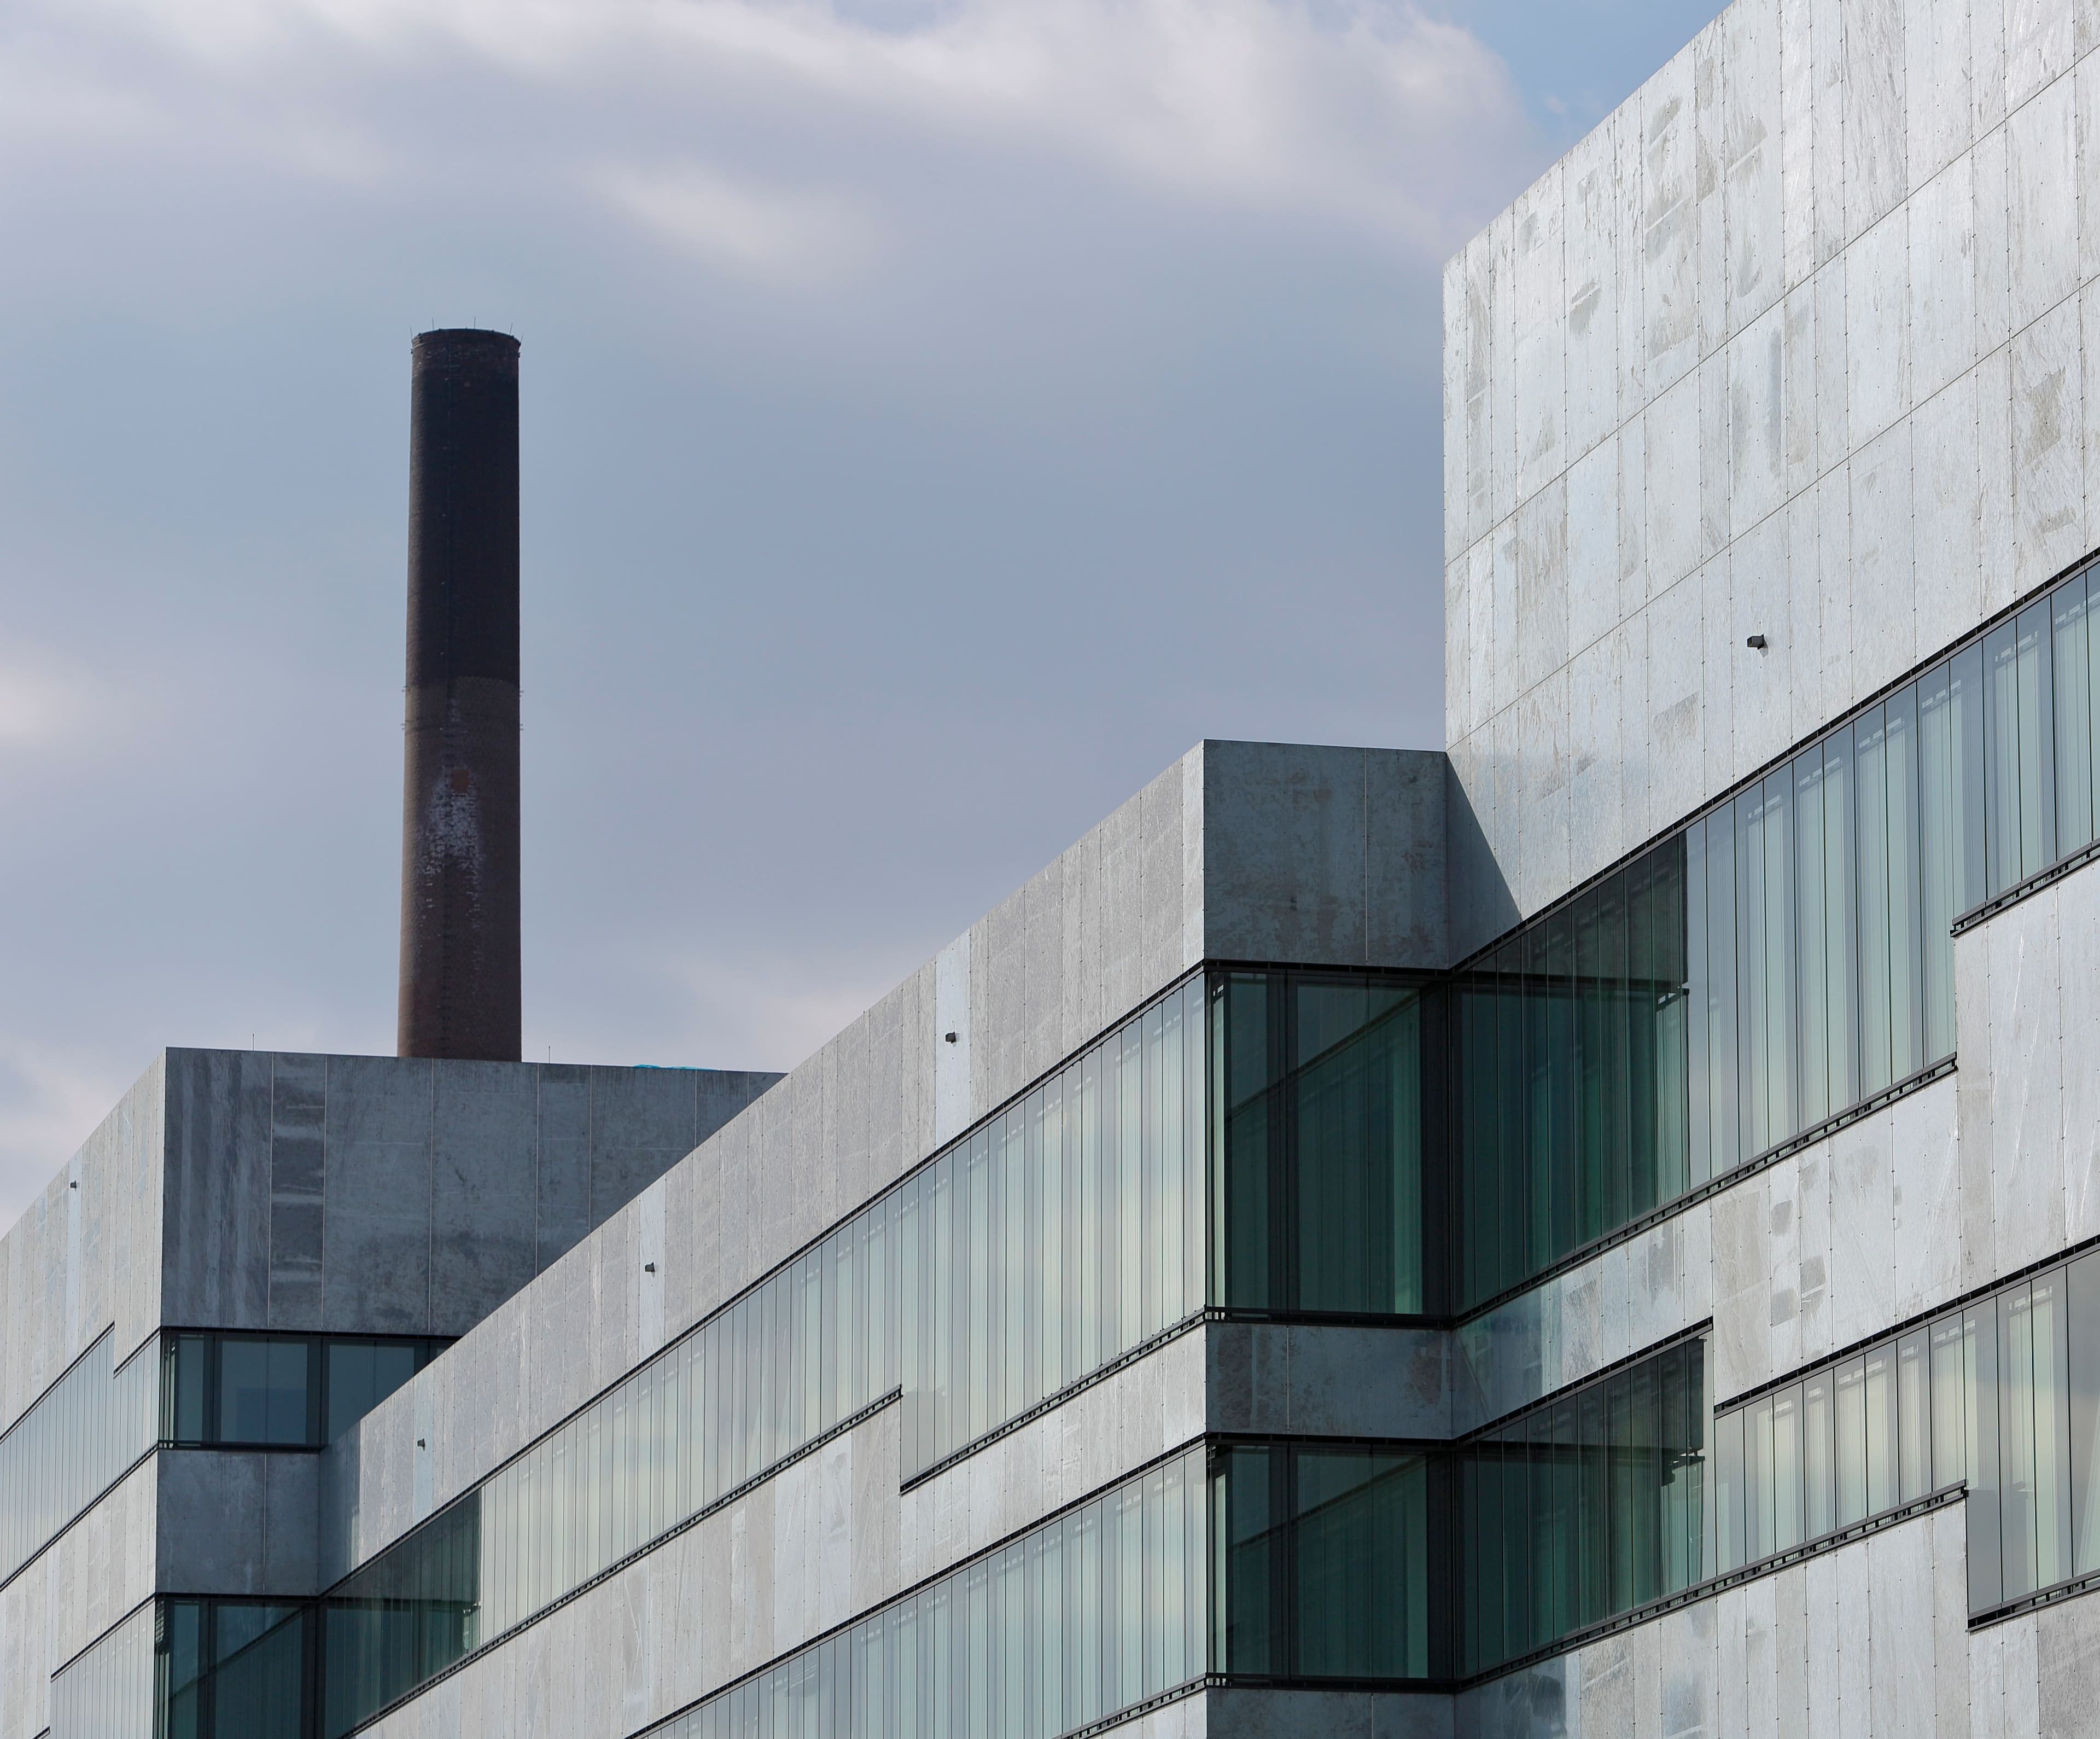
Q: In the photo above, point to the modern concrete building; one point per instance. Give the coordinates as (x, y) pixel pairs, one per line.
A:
(1594, 1231)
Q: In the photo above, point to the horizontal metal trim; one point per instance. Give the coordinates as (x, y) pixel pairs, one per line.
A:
(2020, 890)
(1714, 1186)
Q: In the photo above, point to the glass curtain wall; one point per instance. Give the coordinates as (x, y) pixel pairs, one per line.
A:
(808, 1349)
(1319, 1122)
(1592, 1505)
(279, 1390)
(1570, 1080)
(231, 1670)
(2002, 1395)
(1325, 1563)
(1786, 957)
(1065, 1232)
(76, 1440)
(107, 1691)
(1095, 1613)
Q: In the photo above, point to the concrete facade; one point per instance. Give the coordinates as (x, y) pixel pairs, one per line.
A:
(1795, 346)
(277, 1193)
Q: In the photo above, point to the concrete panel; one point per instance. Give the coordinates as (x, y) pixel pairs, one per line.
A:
(378, 1193)
(1946, 510)
(1875, 171)
(1900, 1622)
(1676, 713)
(1939, 101)
(1671, 436)
(952, 1110)
(1593, 224)
(2048, 447)
(1129, 1418)
(1884, 626)
(1750, 160)
(1538, 265)
(1669, 221)
(1593, 547)
(1878, 327)
(1327, 1382)
(1796, 139)
(1863, 1257)
(1235, 1714)
(215, 1252)
(484, 1138)
(1757, 380)
(1950, 1621)
(1761, 690)
(1942, 272)
(1926, 1200)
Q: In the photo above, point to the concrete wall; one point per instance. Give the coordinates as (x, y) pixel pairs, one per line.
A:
(235, 1522)
(826, 1539)
(1800, 341)
(1869, 1642)
(71, 1595)
(381, 1194)
(70, 1267)
(1236, 851)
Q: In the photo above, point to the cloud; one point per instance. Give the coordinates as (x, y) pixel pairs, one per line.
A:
(776, 233)
(942, 413)
(1369, 111)
(43, 701)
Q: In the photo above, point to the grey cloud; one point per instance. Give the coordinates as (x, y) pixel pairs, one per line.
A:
(936, 419)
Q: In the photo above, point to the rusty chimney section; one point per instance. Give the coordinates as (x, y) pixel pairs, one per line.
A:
(459, 822)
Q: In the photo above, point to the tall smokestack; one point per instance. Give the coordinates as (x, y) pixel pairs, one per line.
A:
(459, 824)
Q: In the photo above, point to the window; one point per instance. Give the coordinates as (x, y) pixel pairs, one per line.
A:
(278, 1391)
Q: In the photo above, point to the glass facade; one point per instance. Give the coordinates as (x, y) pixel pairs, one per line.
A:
(2002, 1395)
(1064, 1233)
(231, 1670)
(1093, 1613)
(1786, 957)
(1324, 1562)
(278, 1391)
(1588, 1506)
(1570, 1076)
(1318, 1124)
(78, 1438)
(107, 1692)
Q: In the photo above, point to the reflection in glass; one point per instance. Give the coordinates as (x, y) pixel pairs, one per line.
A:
(1056, 1238)
(1319, 1125)
(1093, 1613)
(230, 1669)
(262, 1390)
(1593, 1504)
(107, 1691)
(75, 1442)
(1572, 1102)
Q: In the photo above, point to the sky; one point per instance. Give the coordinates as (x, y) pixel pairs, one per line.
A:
(937, 415)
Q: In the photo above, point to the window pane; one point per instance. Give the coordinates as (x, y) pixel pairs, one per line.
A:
(1819, 1464)
(1787, 1515)
(1880, 1384)
(2070, 633)
(262, 1391)
(1914, 1417)
(1361, 1552)
(1950, 1461)
(1851, 1422)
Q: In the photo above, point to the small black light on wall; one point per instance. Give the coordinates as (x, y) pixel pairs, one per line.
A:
(1756, 642)
(949, 1036)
